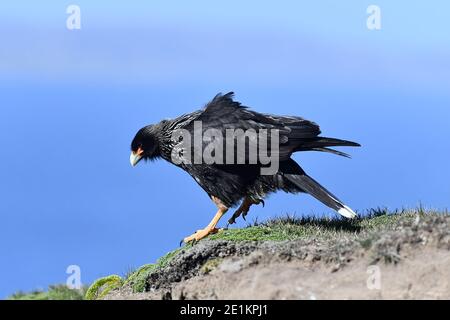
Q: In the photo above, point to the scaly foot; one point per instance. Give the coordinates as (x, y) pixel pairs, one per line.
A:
(200, 234)
(244, 209)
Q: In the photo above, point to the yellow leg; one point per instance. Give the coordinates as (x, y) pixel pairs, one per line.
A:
(211, 228)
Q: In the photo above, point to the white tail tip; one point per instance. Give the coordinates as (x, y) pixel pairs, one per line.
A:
(347, 212)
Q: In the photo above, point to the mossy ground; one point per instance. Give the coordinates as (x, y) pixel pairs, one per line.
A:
(289, 228)
(102, 286)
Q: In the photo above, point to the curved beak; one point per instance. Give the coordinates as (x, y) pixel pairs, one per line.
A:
(135, 157)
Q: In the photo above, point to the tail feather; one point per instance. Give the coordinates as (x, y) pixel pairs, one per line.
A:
(322, 144)
(309, 185)
(336, 152)
(332, 142)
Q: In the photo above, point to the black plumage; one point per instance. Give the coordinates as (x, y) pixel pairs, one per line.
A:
(228, 184)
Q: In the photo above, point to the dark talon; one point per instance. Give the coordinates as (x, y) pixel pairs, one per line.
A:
(262, 201)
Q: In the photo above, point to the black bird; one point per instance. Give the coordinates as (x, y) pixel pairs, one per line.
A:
(230, 183)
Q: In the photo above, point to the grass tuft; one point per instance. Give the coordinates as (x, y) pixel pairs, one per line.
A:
(54, 292)
(138, 279)
(102, 286)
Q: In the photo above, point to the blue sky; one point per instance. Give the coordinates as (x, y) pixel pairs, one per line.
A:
(71, 101)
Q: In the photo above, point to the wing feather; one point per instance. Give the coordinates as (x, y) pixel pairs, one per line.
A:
(222, 113)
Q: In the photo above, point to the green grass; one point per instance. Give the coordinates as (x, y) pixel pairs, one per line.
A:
(291, 228)
(56, 292)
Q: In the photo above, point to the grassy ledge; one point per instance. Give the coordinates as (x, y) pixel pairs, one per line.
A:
(286, 229)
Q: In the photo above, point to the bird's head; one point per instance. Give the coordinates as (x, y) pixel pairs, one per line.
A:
(144, 145)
